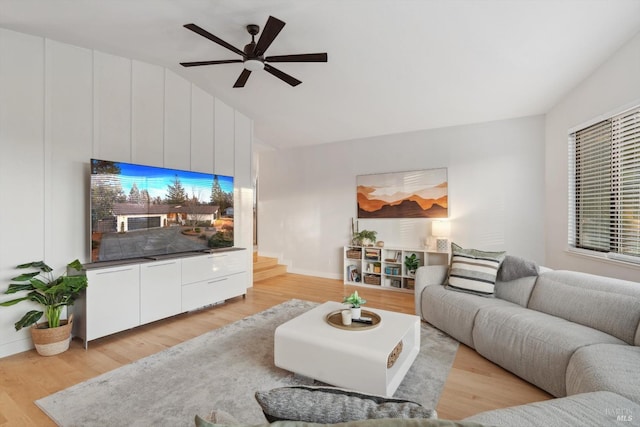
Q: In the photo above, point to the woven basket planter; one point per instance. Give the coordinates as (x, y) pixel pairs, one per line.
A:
(52, 341)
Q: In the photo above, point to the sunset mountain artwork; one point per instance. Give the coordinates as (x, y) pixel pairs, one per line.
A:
(414, 194)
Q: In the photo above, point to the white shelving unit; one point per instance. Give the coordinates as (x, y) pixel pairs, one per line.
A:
(384, 267)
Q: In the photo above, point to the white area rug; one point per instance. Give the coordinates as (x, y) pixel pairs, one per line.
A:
(221, 369)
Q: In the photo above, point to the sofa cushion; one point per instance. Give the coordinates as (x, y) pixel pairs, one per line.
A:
(517, 291)
(454, 312)
(334, 405)
(585, 410)
(605, 367)
(609, 305)
(533, 345)
(514, 267)
(473, 270)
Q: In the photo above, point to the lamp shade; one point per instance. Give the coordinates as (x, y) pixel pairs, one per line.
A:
(440, 228)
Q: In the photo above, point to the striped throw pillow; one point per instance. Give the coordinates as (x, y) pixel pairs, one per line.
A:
(473, 271)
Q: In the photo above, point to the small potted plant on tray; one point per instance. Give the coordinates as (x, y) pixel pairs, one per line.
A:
(355, 301)
(53, 293)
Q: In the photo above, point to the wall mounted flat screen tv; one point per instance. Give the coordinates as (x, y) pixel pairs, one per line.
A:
(140, 211)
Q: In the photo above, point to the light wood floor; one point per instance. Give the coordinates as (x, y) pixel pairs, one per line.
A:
(474, 384)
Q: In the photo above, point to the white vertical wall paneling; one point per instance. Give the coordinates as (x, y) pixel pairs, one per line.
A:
(243, 197)
(69, 131)
(112, 107)
(224, 138)
(21, 170)
(147, 114)
(177, 122)
(201, 130)
(60, 105)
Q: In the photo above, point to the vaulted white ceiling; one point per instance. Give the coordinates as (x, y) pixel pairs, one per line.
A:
(394, 65)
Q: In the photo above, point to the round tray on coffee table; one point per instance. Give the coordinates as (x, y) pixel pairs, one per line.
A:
(335, 319)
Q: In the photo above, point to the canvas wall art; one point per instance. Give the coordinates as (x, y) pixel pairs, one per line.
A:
(413, 194)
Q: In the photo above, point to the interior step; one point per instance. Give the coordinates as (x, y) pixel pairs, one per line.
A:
(266, 267)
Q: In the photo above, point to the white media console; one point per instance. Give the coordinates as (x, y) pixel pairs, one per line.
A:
(128, 294)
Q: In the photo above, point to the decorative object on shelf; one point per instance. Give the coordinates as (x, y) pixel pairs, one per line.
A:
(356, 302)
(53, 293)
(366, 237)
(372, 279)
(441, 231)
(380, 244)
(377, 267)
(412, 194)
(412, 263)
(354, 253)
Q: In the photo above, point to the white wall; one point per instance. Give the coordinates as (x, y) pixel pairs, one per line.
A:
(613, 85)
(307, 196)
(60, 105)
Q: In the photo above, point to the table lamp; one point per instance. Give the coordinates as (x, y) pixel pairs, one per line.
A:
(440, 230)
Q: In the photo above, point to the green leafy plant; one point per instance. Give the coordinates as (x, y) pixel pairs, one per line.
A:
(51, 292)
(411, 262)
(361, 236)
(355, 300)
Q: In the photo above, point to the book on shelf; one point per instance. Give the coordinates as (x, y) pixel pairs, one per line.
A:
(372, 254)
(353, 274)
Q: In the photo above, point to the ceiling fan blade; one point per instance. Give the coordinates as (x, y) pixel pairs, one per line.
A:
(305, 57)
(198, 63)
(271, 29)
(243, 78)
(205, 33)
(282, 76)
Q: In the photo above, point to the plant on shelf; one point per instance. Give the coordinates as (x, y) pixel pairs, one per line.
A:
(365, 237)
(356, 302)
(52, 293)
(412, 263)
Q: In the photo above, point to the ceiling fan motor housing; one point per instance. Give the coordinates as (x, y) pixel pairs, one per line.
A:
(253, 29)
(249, 50)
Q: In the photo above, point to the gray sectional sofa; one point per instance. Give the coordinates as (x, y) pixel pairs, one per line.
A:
(569, 333)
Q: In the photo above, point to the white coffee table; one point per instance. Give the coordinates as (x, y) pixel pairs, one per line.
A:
(354, 359)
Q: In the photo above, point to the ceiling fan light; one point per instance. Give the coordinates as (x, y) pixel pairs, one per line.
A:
(253, 65)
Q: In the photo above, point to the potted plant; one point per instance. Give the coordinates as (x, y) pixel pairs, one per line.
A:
(355, 301)
(52, 293)
(365, 237)
(412, 263)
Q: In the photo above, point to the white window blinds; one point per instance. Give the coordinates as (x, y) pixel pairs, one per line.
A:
(604, 187)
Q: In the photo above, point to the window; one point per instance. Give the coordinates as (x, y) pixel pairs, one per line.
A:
(604, 187)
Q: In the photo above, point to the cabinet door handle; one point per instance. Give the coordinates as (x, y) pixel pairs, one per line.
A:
(115, 271)
(219, 280)
(160, 265)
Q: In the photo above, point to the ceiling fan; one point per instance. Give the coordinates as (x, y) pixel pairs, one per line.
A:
(253, 57)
